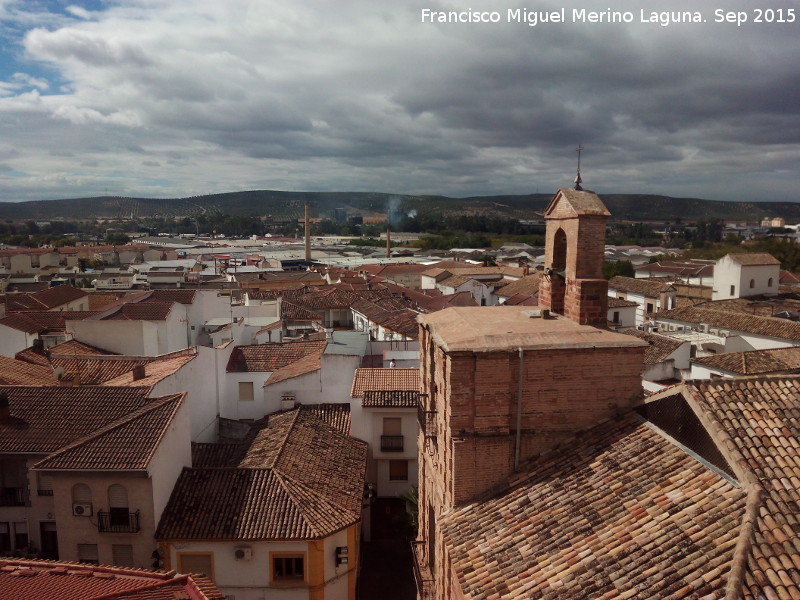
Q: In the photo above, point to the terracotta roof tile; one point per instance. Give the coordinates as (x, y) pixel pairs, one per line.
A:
(154, 371)
(292, 311)
(620, 303)
(126, 444)
(36, 322)
(659, 348)
(754, 259)
(755, 362)
(367, 379)
(74, 347)
(271, 357)
(390, 399)
(528, 285)
(619, 513)
(179, 296)
(303, 365)
(734, 321)
(51, 580)
(299, 478)
(154, 310)
(651, 288)
(44, 419)
(18, 372)
(759, 418)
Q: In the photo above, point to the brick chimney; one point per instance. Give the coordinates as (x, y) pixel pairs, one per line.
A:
(308, 235)
(138, 372)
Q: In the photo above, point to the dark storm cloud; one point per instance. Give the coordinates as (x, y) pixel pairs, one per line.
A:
(355, 95)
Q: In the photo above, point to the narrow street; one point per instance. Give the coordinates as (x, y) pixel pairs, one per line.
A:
(386, 569)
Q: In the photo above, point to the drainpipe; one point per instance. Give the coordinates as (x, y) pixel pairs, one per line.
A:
(519, 413)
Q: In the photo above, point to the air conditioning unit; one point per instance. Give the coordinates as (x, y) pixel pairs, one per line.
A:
(82, 510)
(243, 553)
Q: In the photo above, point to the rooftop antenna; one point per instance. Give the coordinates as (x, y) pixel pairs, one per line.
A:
(578, 180)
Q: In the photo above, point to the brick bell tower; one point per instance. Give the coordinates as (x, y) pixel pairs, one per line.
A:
(573, 284)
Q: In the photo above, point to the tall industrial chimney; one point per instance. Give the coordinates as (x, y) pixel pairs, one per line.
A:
(388, 242)
(308, 235)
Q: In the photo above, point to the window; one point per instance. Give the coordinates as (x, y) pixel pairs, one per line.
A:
(122, 555)
(769, 282)
(20, 535)
(196, 562)
(5, 537)
(392, 426)
(288, 568)
(649, 307)
(398, 470)
(733, 290)
(752, 283)
(118, 506)
(246, 391)
(615, 317)
(87, 553)
(81, 494)
(44, 485)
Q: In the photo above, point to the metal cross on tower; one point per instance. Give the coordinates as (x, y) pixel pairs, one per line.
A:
(578, 179)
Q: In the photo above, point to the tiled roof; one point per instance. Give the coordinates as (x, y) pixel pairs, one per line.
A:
(754, 259)
(300, 478)
(621, 513)
(659, 348)
(154, 310)
(528, 285)
(758, 420)
(36, 322)
(335, 414)
(74, 347)
(154, 371)
(291, 311)
(44, 419)
(521, 300)
(619, 303)
(755, 362)
(734, 321)
(179, 296)
(651, 288)
(97, 369)
(45, 299)
(33, 356)
(455, 281)
(328, 298)
(18, 372)
(126, 444)
(306, 364)
(271, 357)
(582, 202)
(388, 380)
(390, 399)
(50, 580)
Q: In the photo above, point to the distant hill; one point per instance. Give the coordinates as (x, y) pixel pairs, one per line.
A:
(289, 205)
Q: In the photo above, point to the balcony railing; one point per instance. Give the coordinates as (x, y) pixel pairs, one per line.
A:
(391, 443)
(118, 522)
(422, 573)
(426, 418)
(12, 496)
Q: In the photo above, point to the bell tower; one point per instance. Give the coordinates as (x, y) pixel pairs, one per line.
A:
(573, 284)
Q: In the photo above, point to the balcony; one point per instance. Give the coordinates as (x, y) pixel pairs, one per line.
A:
(391, 443)
(118, 521)
(12, 496)
(426, 418)
(422, 573)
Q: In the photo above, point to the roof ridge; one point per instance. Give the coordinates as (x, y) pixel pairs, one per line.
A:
(118, 423)
(303, 507)
(285, 438)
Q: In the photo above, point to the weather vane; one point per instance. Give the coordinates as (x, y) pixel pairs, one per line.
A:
(578, 179)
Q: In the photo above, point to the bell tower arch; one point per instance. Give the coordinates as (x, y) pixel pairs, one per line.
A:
(573, 282)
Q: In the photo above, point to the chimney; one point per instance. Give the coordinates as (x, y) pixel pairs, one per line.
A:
(138, 372)
(5, 411)
(287, 401)
(388, 242)
(308, 236)
(70, 379)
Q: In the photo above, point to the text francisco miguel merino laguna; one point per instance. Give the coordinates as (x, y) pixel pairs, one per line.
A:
(576, 15)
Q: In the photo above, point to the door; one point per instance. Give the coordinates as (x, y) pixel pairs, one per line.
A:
(49, 540)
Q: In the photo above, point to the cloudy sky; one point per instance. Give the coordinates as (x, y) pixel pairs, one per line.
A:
(173, 98)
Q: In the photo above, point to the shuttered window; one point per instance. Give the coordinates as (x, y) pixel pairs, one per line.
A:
(122, 555)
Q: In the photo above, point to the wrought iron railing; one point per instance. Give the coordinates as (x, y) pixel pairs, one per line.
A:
(118, 522)
(391, 443)
(12, 496)
(422, 573)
